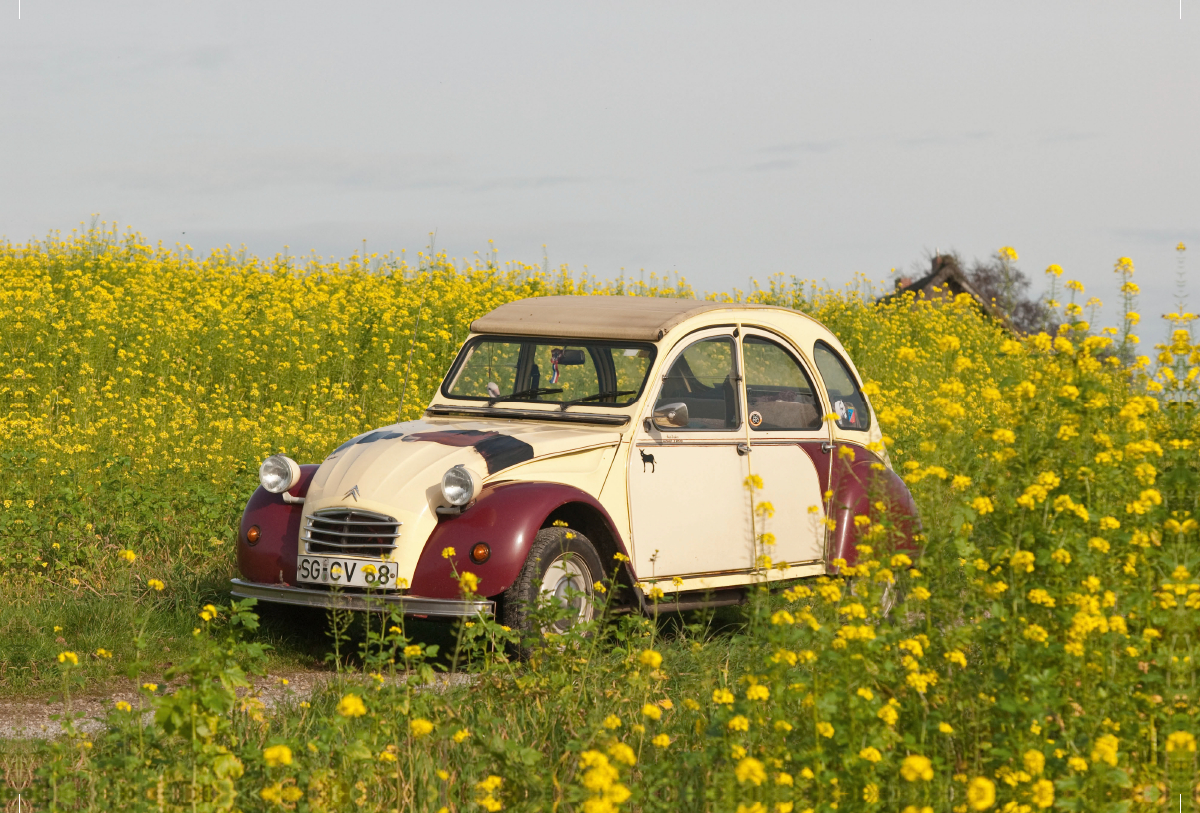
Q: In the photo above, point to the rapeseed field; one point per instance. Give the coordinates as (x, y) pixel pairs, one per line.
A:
(1044, 658)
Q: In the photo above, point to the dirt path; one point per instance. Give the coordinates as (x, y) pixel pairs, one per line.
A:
(32, 719)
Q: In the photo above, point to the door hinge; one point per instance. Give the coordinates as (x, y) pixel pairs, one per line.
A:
(826, 446)
(743, 449)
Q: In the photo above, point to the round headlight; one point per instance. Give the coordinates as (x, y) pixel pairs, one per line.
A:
(460, 485)
(278, 473)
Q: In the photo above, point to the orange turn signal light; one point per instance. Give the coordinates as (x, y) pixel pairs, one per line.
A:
(252, 535)
(480, 552)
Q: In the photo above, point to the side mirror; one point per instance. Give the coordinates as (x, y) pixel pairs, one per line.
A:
(671, 416)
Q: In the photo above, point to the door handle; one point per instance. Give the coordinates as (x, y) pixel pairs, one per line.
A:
(826, 447)
(743, 449)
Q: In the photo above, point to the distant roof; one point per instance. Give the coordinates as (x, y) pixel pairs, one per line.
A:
(632, 318)
(945, 277)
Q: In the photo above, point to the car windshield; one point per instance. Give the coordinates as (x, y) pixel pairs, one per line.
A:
(564, 372)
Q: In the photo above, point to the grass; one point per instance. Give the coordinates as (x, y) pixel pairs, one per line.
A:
(1045, 656)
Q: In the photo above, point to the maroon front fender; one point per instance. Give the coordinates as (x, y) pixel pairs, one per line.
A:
(272, 560)
(507, 517)
(856, 484)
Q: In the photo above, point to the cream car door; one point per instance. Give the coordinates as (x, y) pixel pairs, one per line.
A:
(790, 447)
(687, 497)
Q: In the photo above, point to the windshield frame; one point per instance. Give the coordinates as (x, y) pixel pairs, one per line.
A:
(563, 341)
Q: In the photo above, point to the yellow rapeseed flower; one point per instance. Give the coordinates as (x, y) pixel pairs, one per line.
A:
(1105, 750)
(981, 793)
(622, 753)
(1181, 741)
(351, 705)
(916, 767)
(277, 755)
(1043, 793)
(750, 770)
(650, 658)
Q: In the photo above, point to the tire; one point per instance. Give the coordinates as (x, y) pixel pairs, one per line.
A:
(560, 559)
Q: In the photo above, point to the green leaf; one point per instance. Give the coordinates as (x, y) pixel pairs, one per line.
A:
(358, 750)
(227, 766)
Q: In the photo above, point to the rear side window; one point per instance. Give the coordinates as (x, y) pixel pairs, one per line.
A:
(779, 394)
(849, 404)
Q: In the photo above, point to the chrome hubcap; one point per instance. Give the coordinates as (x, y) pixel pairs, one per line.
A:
(568, 583)
(887, 602)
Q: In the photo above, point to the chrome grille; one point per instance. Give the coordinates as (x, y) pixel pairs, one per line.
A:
(349, 531)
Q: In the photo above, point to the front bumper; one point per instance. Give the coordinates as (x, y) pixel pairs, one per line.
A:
(376, 602)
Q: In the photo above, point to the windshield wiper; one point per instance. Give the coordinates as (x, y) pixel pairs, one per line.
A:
(529, 393)
(596, 397)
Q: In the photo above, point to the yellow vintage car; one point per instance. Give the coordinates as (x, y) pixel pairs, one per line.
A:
(578, 439)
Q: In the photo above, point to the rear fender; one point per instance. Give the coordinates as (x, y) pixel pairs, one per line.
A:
(857, 482)
(507, 517)
(272, 560)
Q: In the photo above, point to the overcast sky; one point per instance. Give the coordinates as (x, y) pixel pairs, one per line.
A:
(721, 141)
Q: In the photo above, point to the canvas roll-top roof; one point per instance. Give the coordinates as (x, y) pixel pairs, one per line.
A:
(632, 318)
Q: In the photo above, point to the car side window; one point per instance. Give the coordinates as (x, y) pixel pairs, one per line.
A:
(779, 394)
(849, 403)
(702, 377)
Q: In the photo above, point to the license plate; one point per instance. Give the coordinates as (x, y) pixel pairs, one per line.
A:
(337, 570)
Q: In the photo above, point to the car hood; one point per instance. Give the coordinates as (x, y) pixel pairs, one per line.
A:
(401, 465)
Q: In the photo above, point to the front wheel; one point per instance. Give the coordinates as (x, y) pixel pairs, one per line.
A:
(560, 573)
